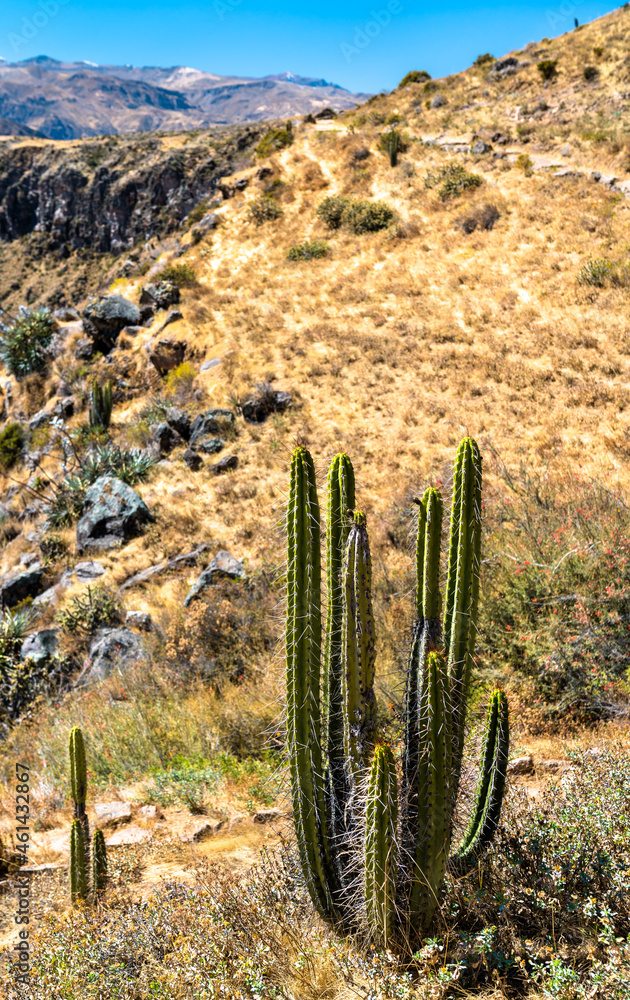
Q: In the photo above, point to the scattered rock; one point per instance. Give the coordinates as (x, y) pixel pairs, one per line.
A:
(179, 421)
(212, 363)
(112, 513)
(166, 438)
(111, 648)
(41, 418)
(479, 147)
(565, 151)
(84, 349)
(197, 832)
(143, 575)
(192, 460)
(209, 222)
(128, 835)
(325, 114)
(89, 570)
(64, 407)
(106, 317)
(40, 646)
(147, 312)
(112, 813)
(141, 620)
(66, 315)
(438, 101)
(225, 464)
(28, 583)
(149, 812)
(257, 409)
(160, 295)
(266, 815)
(188, 558)
(552, 765)
(223, 566)
(505, 67)
(522, 765)
(28, 558)
(166, 354)
(210, 423)
(210, 445)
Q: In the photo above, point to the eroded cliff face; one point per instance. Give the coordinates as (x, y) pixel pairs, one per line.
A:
(109, 194)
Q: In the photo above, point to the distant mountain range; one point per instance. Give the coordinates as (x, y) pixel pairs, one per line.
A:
(69, 100)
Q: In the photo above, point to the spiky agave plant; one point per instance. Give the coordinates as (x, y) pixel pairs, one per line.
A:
(403, 838)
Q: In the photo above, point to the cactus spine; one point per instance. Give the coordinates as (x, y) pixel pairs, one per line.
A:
(78, 874)
(331, 709)
(100, 410)
(99, 863)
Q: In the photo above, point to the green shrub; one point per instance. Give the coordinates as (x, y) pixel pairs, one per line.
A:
(198, 212)
(11, 444)
(24, 343)
(182, 275)
(548, 69)
(264, 209)
(308, 250)
(85, 612)
(385, 137)
(483, 60)
(415, 76)
(331, 210)
(275, 139)
(180, 380)
(453, 179)
(599, 272)
(524, 163)
(590, 73)
(357, 215)
(22, 682)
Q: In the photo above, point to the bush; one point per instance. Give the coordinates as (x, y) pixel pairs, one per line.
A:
(22, 682)
(180, 380)
(453, 179)
(182, 275)
(264, 209)
(24, 343)
(331, 210)
(11, 445)
(598, 273)
(403, 141)
(482, 217)
(415, 76)
(548, 69)
(87, 611)
(590, 73)
(524, 163)
(275, 139)
(357, 215)
(308, 250)
(483, 60)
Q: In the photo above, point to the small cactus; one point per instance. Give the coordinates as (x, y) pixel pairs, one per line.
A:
(393, 143)
(100, 409)
(99, 863)
(78, 872)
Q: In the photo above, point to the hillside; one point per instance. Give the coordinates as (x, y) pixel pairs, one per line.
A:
(82, 99)
(314, 293)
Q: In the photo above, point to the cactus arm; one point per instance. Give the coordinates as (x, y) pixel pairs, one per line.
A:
(434, 793)
(460, 621)
(303, 652)
(486, 809)
(380, 845)
(78, 781)
(78, 877)
(358, 652)
(99, 863)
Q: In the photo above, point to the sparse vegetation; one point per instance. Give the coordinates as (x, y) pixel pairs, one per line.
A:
(181, 274)
(548, 69)
(93, 608)
(309, 250)
(11, 445)
(415, 76)
(265, 209)
(356, 214)
(590, 73)
(274, 140)
(599, 272)
(483, 60)
(452, 179)
(24, 342)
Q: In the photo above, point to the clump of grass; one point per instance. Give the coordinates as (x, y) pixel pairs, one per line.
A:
(264, 209)
(24, 342)
(524, 163)
(600, 273)
(182, 275)
(274, 140)
(452, 179)
(356, 214)
(179, 381)
(11, 445)
(308, 250)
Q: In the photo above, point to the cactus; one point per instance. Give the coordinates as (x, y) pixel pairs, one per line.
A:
(99, 863)
(393, 141)
(100, 409)
(78, 780)
(78, 874)
(333, 745)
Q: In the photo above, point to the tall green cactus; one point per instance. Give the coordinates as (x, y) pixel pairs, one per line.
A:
(99, 863)
(78, 868)
(100, 409)
(331, 731)
(393, 142)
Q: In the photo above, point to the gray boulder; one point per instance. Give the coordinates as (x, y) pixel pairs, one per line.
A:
(113, 648)
(88, 570)
(192, 459)
(480, 147)
(166, 438)
(28, 583)
(166, 354)
(139, 619)
(223, 566)
(106, 317)
(160, 294)
(66, 315)
(438, 101)
(210, 445)
(112, 513)
(179, 421)
(225, 464)
(212, 422)
(40, 646)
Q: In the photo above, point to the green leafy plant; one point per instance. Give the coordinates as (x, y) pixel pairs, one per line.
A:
(308, 250)
(452, 179)
(335, 749)
(11, 445)
(274, 140)
(264, 209)
(89, 610)
(24, 343)
(182, 275)
(548, 69)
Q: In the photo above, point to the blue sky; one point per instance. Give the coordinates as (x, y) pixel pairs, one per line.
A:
(362, 45)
